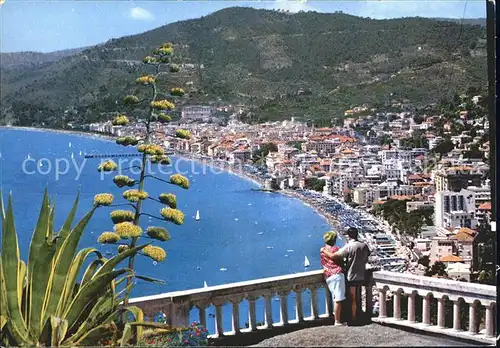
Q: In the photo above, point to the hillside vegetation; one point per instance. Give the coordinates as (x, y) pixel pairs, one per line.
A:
(307, 65)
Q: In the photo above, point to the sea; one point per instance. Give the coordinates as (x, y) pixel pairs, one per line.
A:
(242, 234)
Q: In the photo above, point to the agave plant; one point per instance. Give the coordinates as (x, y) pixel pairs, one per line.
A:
(43, 303)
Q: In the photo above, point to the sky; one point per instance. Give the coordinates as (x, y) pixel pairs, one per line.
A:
(46, 26)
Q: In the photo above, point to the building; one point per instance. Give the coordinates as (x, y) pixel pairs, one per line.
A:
(197, 112)
(455, 209)
(456, 178)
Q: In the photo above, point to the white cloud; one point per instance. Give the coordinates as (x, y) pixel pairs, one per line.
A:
(141, 14)
(293, 6)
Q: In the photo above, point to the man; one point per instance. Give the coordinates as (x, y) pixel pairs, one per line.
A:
(333, 274)
(357, 254)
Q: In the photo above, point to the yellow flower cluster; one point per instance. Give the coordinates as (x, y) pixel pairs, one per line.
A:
(177, 92)
(182, 133)
(180, 180)
(151, 149)
(126, 141)
(168, 199)
(103, 199)
(122, 248)
(154, 252)
(163, 104)
(174, 68)
(135, 195)
(146, 79)
(149, 60)
(123, 180)
(121, 120)
(158, 233)
(108, 238)
(107, 166)
(164, 118)
(173, 215)
(165, 50)
(118, 216)
(130, 99)
(164, 160)
(128, 230)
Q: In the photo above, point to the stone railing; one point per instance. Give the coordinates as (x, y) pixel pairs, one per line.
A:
(474, 295)
(177, 305)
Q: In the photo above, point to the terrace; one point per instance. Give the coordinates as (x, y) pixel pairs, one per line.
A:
(440, 325)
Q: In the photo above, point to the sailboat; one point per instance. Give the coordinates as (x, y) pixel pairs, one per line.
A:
(80, 153)
(306, 262)
(197, 215)
(205, 285)
(72, 155)
(69, 145)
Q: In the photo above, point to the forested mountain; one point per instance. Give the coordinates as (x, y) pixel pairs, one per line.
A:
(307, 65)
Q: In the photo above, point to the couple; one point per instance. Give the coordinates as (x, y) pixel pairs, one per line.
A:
(332, 260)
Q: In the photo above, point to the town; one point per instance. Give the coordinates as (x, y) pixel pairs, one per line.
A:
(415, 183)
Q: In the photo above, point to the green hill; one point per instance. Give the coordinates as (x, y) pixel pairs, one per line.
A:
(307, 65)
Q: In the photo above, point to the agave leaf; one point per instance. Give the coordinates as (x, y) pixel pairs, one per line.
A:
(115, 260)
(71, 278)
(149, 279)
(96, 287)
(103, 307)
(60, 272)
(3, 292)
(138, 317)
(90, 271)
(52, 216)
(21, 280)
(66, 229)
(2, 211)
(59, 329)
(126, 335)
(19, 336)
(40, 256)
(93, 336)
(3, 321)
(10, 273)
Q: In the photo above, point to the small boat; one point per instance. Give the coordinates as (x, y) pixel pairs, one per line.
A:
(197, 215)
(260, 233)
(109, 253)
(290, 250)
(306, 262)
(205, 285)
(72, 155)
(80, 153)
(223, 269)
(69, 144)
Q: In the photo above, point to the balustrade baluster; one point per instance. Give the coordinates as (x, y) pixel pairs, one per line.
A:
(299, 310)
(268, 314)
(328, 302)
(314, 303)
(490, 321)
(456, 316)
(472, 318)
(411, 307)
(252, 321)
(397, 305)
(219, 326)
(235, 320)
(202, 314)
(441, 312)
(283, 307)
(426, 315)
(382, 303)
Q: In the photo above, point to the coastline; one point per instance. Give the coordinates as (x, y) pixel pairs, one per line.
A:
(225, 166)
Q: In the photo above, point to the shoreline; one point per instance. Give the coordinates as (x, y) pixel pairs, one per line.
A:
(331, 221)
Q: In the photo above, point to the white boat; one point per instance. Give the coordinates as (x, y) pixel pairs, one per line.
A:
(197, 215)
(80, 153)
(205, 285)
(69, 145)
(223, 269)
(306, 262)
(72, 155)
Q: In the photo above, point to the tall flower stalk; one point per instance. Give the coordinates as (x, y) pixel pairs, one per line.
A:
(127, 229)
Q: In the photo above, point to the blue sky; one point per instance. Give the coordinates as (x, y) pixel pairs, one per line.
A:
(45, 26)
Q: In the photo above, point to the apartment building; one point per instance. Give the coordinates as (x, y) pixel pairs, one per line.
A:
(456, 178)
(455, 209)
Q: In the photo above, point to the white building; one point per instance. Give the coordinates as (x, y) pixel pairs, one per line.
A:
(455, 209)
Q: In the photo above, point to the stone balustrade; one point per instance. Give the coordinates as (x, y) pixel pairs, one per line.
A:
(178, 304)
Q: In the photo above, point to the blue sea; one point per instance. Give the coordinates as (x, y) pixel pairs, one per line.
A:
(248, 234)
